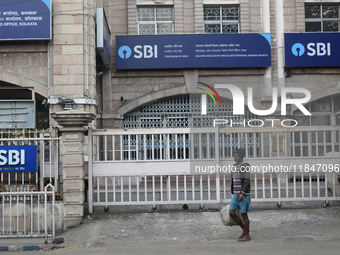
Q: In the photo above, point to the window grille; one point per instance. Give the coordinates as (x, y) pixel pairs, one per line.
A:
(323, 112)
(155, 20)
(222, 19)
(183, 112)
(322, 17)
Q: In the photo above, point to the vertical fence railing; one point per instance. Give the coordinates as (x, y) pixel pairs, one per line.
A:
(182, 144)
(28, 198)
(28, 214)
(144, 164)
(169, 146)
(294, 142)
(48, 162)
(284, 187)
(155, 189)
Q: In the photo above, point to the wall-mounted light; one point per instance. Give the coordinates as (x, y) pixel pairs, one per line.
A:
(67, 103)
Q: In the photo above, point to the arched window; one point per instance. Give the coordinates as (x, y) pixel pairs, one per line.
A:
(184, 112)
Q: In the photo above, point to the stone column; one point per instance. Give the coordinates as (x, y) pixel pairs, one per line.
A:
(73, 124)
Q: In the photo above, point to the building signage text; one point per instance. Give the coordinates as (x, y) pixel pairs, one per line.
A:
(21, 158)
(312, 49)
(193, 51)
(25, 20)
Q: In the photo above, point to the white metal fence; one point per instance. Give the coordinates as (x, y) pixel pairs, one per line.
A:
(183, 166)
(48, 163)
(28, 214)
(27, 199)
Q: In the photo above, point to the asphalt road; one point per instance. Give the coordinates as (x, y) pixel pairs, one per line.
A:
(283, 231)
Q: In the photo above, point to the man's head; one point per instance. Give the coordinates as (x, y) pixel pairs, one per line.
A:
(239, 155)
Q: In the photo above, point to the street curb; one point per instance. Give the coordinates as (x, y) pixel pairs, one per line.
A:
(25, 247)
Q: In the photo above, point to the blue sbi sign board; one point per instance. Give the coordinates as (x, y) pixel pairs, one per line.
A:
(312, 49)
(19, 158)
(25, 20)
(193, 51)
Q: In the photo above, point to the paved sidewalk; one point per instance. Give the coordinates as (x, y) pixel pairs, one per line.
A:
(282, 231)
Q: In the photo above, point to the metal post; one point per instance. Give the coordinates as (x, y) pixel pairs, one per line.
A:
(90, 169)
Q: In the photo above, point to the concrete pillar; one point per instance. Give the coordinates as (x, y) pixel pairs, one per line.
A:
(73, 55)
(73, 124)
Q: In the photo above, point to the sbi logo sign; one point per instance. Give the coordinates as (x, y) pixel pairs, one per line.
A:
(12, 157)
(139, 51)
(318, 49)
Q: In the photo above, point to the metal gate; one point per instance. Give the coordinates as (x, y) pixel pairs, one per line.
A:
(28, 214)
(190, 166)
(27, 199)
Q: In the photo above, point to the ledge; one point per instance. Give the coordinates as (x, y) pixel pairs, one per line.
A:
(73, 118)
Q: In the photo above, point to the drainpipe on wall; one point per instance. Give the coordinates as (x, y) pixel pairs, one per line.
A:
(266, 29)
(279, 18)
(86, 78)
(279, 27)
(101, 101)
(48, 70)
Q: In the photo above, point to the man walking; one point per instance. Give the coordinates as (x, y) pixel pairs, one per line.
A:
(240, 189)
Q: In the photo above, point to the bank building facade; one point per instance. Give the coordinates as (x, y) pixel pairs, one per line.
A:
(143, 103)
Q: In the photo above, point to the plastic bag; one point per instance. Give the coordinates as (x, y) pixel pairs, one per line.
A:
(226, 219)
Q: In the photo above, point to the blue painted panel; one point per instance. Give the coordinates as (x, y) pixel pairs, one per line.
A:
(312, 49)
(193, 51)
(20, 158)
(25, 20)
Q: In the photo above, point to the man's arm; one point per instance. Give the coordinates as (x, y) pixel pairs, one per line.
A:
(246, 183)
